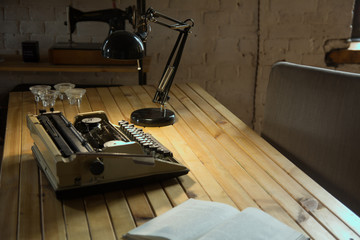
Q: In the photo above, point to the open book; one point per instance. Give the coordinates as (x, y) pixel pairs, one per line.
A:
(200, 220)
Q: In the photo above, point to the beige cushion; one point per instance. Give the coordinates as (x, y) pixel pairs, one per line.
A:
(312, 116)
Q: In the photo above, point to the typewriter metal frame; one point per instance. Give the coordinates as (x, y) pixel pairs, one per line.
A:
(89, 169)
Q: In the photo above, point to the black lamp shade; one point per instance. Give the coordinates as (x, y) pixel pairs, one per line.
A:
(123, 45)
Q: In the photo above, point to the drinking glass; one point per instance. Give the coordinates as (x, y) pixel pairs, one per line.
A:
(75, 95)
(48, 97)
(37, 90)
(62, 87)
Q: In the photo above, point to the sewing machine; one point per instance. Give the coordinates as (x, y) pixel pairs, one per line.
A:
(90, 53)
(114, 17)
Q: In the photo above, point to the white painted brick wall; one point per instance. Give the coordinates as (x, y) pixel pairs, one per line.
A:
(9, 27)
(32, 27)
(221, 52)
(16, 13)
(42, 13)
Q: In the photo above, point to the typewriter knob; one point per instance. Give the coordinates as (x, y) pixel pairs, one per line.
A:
(97, 167)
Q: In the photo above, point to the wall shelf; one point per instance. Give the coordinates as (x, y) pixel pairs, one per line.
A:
(342, 56)
(15, 63)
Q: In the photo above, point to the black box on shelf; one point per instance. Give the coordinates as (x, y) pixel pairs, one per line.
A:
(30, 51)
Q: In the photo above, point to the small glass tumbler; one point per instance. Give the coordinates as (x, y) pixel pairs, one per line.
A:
(49, 97)
(62, 87)
(75, 95)
(37, 90)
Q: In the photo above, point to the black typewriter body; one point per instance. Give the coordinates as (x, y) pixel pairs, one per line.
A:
(94, 155)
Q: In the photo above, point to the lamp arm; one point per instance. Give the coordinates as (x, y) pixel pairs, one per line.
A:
(162, 92)
(152, 15)
(161, 95)
(157, 117)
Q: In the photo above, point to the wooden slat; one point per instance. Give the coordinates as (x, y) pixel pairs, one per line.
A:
(122, 102)
(29, 204)
(85, 105)
(113, 112)
(184, 187)
(131, 97)
(281, 196)
(283, 179)
(9, 185)
(252, 169)
(178, 146)
(171, 186)
(174, 192)
(193, 189)
(120, 213)
(94, 99)
(52, 212)
(162, 134)
(139, 205)
(227, 182)
(76, 222)
(210, 188)
(70, 111)
(257, 146)
(98, 217)
(260, 196)
(158, 196)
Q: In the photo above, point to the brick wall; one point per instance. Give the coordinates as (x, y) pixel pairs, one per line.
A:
(222, 54)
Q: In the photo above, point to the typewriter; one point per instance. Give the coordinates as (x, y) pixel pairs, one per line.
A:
(95, 155)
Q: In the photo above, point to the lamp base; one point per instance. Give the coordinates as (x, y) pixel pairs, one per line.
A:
(152, 117)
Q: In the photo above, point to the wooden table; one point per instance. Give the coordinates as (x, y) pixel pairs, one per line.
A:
(228, 163)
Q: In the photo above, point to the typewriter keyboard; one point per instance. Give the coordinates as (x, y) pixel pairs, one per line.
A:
(146, 140)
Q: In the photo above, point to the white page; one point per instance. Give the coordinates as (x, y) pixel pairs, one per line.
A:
(190, 220)
(253, 224)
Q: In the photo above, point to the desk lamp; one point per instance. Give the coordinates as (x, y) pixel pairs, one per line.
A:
(122, 44)
(126, 45)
